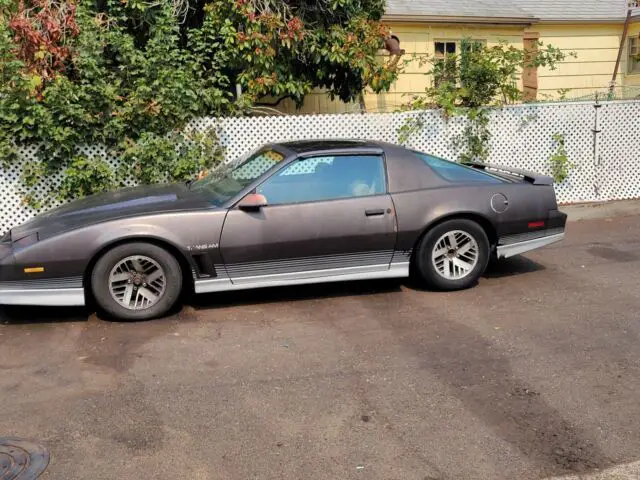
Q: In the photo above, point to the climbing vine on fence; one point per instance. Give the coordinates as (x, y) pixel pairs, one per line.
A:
(472, 81)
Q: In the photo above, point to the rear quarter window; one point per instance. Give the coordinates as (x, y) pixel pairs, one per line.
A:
(454, 172)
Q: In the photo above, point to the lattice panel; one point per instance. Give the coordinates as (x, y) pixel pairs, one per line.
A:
(619, 151)
(522, 138)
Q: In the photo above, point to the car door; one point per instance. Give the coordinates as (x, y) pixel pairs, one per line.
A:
(325, 216)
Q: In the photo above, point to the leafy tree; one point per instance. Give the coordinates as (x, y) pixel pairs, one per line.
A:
(132, 74)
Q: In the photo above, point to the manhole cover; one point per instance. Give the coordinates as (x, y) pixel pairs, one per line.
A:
(21, 460)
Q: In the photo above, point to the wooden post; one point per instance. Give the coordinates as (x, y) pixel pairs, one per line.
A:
(530, 74)
(622, 43)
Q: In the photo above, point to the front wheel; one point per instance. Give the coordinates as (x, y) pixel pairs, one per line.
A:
(136, 281)
(453, 255)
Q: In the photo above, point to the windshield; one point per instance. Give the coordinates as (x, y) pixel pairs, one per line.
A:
(229, 179)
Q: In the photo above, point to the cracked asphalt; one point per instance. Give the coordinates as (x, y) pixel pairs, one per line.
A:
(535, 373)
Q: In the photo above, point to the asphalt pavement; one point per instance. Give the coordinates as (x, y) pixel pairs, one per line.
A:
(534, 373)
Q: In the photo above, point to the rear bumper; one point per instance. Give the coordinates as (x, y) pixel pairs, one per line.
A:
(512, 249)
(45, 292)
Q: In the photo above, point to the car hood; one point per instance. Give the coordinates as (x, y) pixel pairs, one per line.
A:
(103, 207)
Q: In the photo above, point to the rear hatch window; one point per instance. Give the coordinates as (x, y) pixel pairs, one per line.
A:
(457, 173)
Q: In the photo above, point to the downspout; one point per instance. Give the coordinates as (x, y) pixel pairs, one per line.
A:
(622, 44)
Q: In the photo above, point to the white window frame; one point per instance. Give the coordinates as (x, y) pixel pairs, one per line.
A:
(457, 42)
(633, 61)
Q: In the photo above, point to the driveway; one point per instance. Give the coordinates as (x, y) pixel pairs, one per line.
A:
(533, 374)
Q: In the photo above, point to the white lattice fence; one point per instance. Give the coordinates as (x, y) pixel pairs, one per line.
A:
(607, 164)
(619, 151)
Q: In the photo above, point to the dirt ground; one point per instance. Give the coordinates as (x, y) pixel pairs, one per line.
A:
(534, 373)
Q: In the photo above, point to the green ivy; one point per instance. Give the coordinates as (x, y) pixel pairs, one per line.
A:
(86, 176)
(560, 164)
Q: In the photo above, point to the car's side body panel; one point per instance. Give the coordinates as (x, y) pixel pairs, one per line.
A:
(282, 243)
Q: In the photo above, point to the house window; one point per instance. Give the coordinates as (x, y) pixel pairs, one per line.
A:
(634, 55)
(445, 64)
(447, 53)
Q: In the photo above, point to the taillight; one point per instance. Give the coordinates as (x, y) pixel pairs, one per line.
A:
(536, 224)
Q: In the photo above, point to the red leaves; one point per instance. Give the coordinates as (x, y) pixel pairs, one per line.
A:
(41, 29)
(296, 28)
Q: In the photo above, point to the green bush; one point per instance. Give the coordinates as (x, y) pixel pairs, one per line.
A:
(130, 75)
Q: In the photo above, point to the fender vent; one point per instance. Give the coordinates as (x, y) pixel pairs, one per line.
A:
(204, 265)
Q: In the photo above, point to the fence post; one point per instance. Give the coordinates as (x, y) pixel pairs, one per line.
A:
(596, 148)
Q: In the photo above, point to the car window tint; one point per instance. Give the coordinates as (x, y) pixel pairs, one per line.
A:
(454, 172)
(326, 178)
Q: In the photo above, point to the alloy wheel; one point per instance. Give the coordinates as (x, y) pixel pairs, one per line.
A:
(455, 255)
(137, 282)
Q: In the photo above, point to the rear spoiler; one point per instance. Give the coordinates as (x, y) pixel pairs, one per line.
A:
(530, 177)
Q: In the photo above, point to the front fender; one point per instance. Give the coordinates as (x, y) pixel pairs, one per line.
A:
(69, 254)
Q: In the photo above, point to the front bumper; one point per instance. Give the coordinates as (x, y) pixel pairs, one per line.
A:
(38, 291)
(43, 292)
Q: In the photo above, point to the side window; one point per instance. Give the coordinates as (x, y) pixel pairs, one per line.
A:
(257, 165)
(454, 172)
(326, 178)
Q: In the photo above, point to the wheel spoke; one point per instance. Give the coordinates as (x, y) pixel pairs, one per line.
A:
(155, 275)
(464, 266)
(440, 252)
(453, 243)
(448, 271)
(148, 294)
(128, 292)
(465, 248)
(120, 277)
(137, 265)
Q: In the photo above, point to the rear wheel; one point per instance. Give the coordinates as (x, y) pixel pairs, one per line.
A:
(453, 255)
(136, 281)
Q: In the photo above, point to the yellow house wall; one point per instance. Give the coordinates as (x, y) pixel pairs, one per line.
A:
(419, 40)
(596, 49)
(595, 46)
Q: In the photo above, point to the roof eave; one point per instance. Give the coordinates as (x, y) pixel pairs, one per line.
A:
(407, 18)
(582, 21)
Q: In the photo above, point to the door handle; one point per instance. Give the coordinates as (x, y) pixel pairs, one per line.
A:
(377, 212)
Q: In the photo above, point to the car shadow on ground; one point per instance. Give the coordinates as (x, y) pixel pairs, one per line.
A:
(294, 293)
(20, 315)
(505, 268)
(513, 266)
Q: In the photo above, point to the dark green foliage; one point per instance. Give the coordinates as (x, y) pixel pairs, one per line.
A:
(130, 75)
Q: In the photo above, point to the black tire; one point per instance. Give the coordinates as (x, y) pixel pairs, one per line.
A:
(102, 270)
(428, 272)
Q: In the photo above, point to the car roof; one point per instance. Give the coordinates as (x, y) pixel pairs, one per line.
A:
(310, 147)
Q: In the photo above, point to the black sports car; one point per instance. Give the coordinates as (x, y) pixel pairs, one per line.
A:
(288, 213)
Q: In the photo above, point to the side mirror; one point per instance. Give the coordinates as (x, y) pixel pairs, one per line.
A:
(253, 201)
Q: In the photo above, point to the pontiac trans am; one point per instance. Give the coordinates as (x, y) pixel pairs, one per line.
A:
(288, 213)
